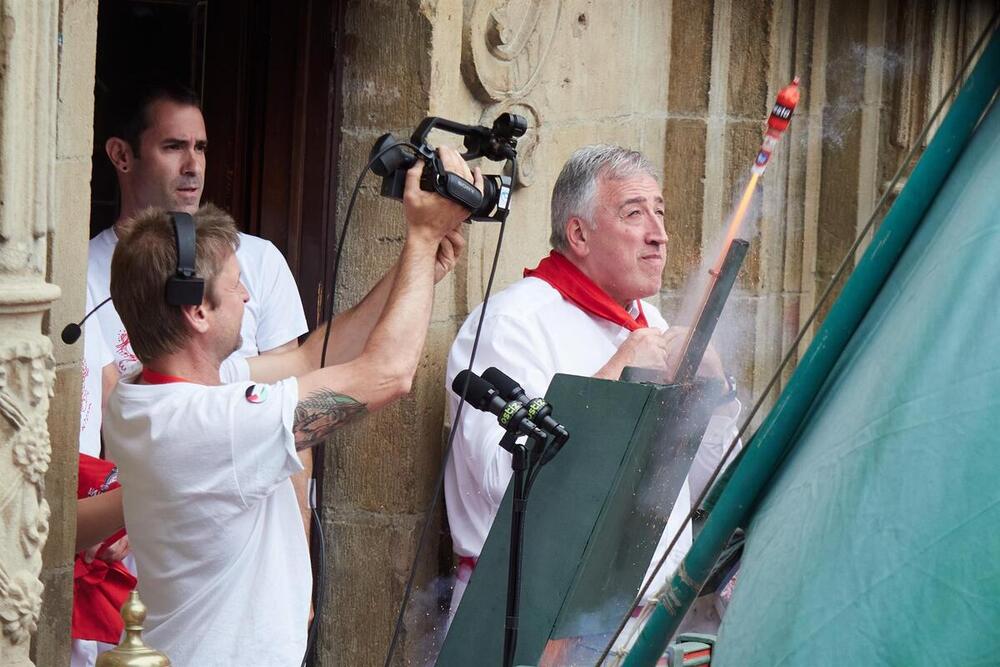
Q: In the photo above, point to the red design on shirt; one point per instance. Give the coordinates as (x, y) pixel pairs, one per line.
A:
(123, 350)
(86, 405)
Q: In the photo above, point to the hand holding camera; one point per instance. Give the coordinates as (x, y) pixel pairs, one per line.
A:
(428, 214)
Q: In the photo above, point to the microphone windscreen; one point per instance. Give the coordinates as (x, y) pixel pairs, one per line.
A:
(71, 333)
(507, 387)
(479, 391)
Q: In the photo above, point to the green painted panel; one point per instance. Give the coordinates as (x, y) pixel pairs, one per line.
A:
(593, 518)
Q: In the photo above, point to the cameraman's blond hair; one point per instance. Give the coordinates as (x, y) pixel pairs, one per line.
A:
(146, 257)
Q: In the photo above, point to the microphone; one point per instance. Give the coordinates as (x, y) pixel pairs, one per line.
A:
(539, 411)
(72, 331)
(482, 395)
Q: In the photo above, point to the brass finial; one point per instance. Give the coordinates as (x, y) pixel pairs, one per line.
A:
(131, 652)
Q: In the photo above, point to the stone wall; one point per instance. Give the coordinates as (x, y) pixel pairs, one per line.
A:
(376, 473)
(689, 83)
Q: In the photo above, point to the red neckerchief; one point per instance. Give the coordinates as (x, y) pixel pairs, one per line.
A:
(100, 588)
(577, 288)
(152, 377)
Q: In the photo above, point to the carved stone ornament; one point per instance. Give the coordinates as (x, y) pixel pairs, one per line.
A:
(505, 44)
(527, 144)
(26, 381)
(20, 604)
(31, 451)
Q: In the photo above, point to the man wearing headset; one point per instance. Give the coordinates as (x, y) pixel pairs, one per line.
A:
(206, 442)
(158, 148)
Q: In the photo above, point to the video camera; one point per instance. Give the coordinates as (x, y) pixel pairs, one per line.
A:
(496, 143)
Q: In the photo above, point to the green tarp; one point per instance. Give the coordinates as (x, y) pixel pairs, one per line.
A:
(879, 540)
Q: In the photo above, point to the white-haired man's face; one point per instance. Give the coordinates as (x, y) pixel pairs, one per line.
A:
(623, 249)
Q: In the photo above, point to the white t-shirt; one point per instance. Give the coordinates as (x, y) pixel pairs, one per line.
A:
(96, 355)
(223, 562)
(272, 317)
(531, 333)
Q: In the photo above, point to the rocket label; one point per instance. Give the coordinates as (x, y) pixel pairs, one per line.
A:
(781, 112)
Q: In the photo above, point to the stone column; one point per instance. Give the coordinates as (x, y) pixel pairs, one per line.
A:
(29, 43)
(67, 267)
(376, 477)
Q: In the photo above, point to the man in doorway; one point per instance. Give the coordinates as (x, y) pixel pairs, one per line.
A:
(158, 149)
(579, 312)
(205, 454)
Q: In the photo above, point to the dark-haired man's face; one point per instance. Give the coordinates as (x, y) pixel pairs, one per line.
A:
(169, 171)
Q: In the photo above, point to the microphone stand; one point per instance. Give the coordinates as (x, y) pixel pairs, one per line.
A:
(519, 464)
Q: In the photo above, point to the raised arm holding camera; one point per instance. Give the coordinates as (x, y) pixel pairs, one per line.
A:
(206, 444)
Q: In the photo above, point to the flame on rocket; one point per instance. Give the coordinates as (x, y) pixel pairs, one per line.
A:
(777, 123)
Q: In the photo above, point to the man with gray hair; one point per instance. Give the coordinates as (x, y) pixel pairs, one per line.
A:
(578, 312)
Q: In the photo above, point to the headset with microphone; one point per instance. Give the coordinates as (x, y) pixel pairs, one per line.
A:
(72, 331)
(184, 288)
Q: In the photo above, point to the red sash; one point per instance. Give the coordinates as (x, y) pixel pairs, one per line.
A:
(577, 288)
(100, 588)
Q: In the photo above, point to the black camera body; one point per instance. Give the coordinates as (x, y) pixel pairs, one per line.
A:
(496, 143)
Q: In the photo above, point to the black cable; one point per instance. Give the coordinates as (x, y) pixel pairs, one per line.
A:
(329, 306)
(439, 483)
(534, 465)
(841, 271)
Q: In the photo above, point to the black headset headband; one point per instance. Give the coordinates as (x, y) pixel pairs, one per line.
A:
(184, 288)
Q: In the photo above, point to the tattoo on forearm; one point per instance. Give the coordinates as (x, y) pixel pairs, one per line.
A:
(322, 411)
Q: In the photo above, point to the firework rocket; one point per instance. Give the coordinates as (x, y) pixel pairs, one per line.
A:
(777, 123)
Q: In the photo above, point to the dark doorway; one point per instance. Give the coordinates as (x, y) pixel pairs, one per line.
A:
(268, 72)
